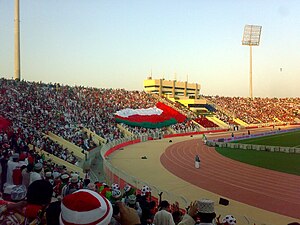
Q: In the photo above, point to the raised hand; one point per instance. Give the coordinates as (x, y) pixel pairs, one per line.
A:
(128, 216)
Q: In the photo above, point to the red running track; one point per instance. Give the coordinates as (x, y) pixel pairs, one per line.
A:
(262, 188)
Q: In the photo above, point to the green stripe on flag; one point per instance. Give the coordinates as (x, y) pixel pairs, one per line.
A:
(165, 123)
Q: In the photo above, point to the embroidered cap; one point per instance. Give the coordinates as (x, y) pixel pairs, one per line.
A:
(206, 206)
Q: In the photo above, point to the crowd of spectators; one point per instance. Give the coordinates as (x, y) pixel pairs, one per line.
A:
(48, 194)
(40, 190)
(43, 192)
(65, 110)
(45, 107)
(185, 127)
(225, 118)
(56, 149)
(105, 102)
(260, 110)
(147, 131)
(188, 125)
(25, 135)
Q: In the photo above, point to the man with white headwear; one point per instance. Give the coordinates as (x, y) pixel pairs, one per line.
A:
(204, 209)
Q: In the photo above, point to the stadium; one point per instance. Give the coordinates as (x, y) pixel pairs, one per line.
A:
(93, 153)
(122, 153)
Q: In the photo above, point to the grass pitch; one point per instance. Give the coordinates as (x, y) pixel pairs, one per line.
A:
(289, 139)
(283, 162)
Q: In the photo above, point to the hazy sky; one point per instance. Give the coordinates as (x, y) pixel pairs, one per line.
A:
(117, 43)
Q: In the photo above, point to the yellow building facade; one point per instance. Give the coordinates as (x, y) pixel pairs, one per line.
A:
(172, 88)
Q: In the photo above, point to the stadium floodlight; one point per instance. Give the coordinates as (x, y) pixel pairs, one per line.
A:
(17, 41)
(251, 38)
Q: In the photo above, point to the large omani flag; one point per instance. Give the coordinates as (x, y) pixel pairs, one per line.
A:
(156, 117)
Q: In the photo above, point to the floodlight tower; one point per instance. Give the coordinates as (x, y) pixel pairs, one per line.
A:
(17, 41)
(251, 38)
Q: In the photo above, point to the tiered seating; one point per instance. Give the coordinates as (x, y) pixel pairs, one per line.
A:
(179, 107)
(204, 122)
(260, 110)
(39, 112)
(225, 118)
(72, 113)
(185, 127)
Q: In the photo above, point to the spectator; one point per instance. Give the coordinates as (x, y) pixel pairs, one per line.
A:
(36, 174)
(163, 216)
(39, 196)
(12, 164)
(49, 177)
(132, 203)
(128, 216)
(26, 175)
(53, 212)
(72, 186)
(204, 209)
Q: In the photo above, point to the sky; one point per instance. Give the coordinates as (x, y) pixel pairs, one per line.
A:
(116, 44)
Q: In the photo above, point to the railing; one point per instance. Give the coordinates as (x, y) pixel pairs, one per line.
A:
(269, 133)
(267, 148)
(59, 161)
(67, 144)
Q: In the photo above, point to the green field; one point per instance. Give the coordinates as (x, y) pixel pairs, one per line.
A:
(283, 162)
(290, 139)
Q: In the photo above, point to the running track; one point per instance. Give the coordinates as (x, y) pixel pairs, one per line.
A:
(266, 189)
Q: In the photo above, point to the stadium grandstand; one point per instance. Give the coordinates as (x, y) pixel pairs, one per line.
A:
(64, 135)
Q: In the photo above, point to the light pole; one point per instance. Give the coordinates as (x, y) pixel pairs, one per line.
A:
(251, 38)
(17, 41)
